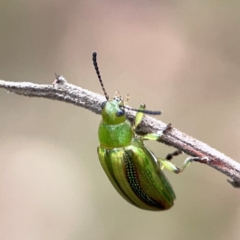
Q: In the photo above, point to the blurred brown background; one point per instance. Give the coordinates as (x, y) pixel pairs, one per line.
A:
(181, 57)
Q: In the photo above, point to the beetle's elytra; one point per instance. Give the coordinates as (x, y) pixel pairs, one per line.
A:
(133, 170)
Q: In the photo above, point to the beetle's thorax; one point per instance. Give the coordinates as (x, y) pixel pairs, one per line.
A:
(115, 136)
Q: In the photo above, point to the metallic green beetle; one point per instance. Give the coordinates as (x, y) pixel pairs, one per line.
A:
(132, 168)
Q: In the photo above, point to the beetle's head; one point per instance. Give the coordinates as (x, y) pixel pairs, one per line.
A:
(113, 111)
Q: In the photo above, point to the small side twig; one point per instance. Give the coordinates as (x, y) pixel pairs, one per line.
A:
(63, 91)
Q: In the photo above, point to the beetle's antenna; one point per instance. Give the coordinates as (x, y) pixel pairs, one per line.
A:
(149, 112)
(94, 58)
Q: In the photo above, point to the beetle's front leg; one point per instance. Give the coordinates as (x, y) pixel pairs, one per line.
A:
(150, 136)
(139, 116)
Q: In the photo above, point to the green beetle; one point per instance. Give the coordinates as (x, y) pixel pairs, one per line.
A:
(134, 171)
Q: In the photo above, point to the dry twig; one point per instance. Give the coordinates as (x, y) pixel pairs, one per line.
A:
(62, 91)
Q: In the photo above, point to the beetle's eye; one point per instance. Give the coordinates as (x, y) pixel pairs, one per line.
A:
(103, 104)
(120, 112)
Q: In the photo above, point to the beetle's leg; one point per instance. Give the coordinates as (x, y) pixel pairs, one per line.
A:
(171, 167)
(156, 136)
(139, 116)
(170, 156)
(149, 136)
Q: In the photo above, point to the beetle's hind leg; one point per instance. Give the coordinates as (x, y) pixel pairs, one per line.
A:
(173, 168)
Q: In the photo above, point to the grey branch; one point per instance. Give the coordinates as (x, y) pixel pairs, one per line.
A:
(63, 91)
